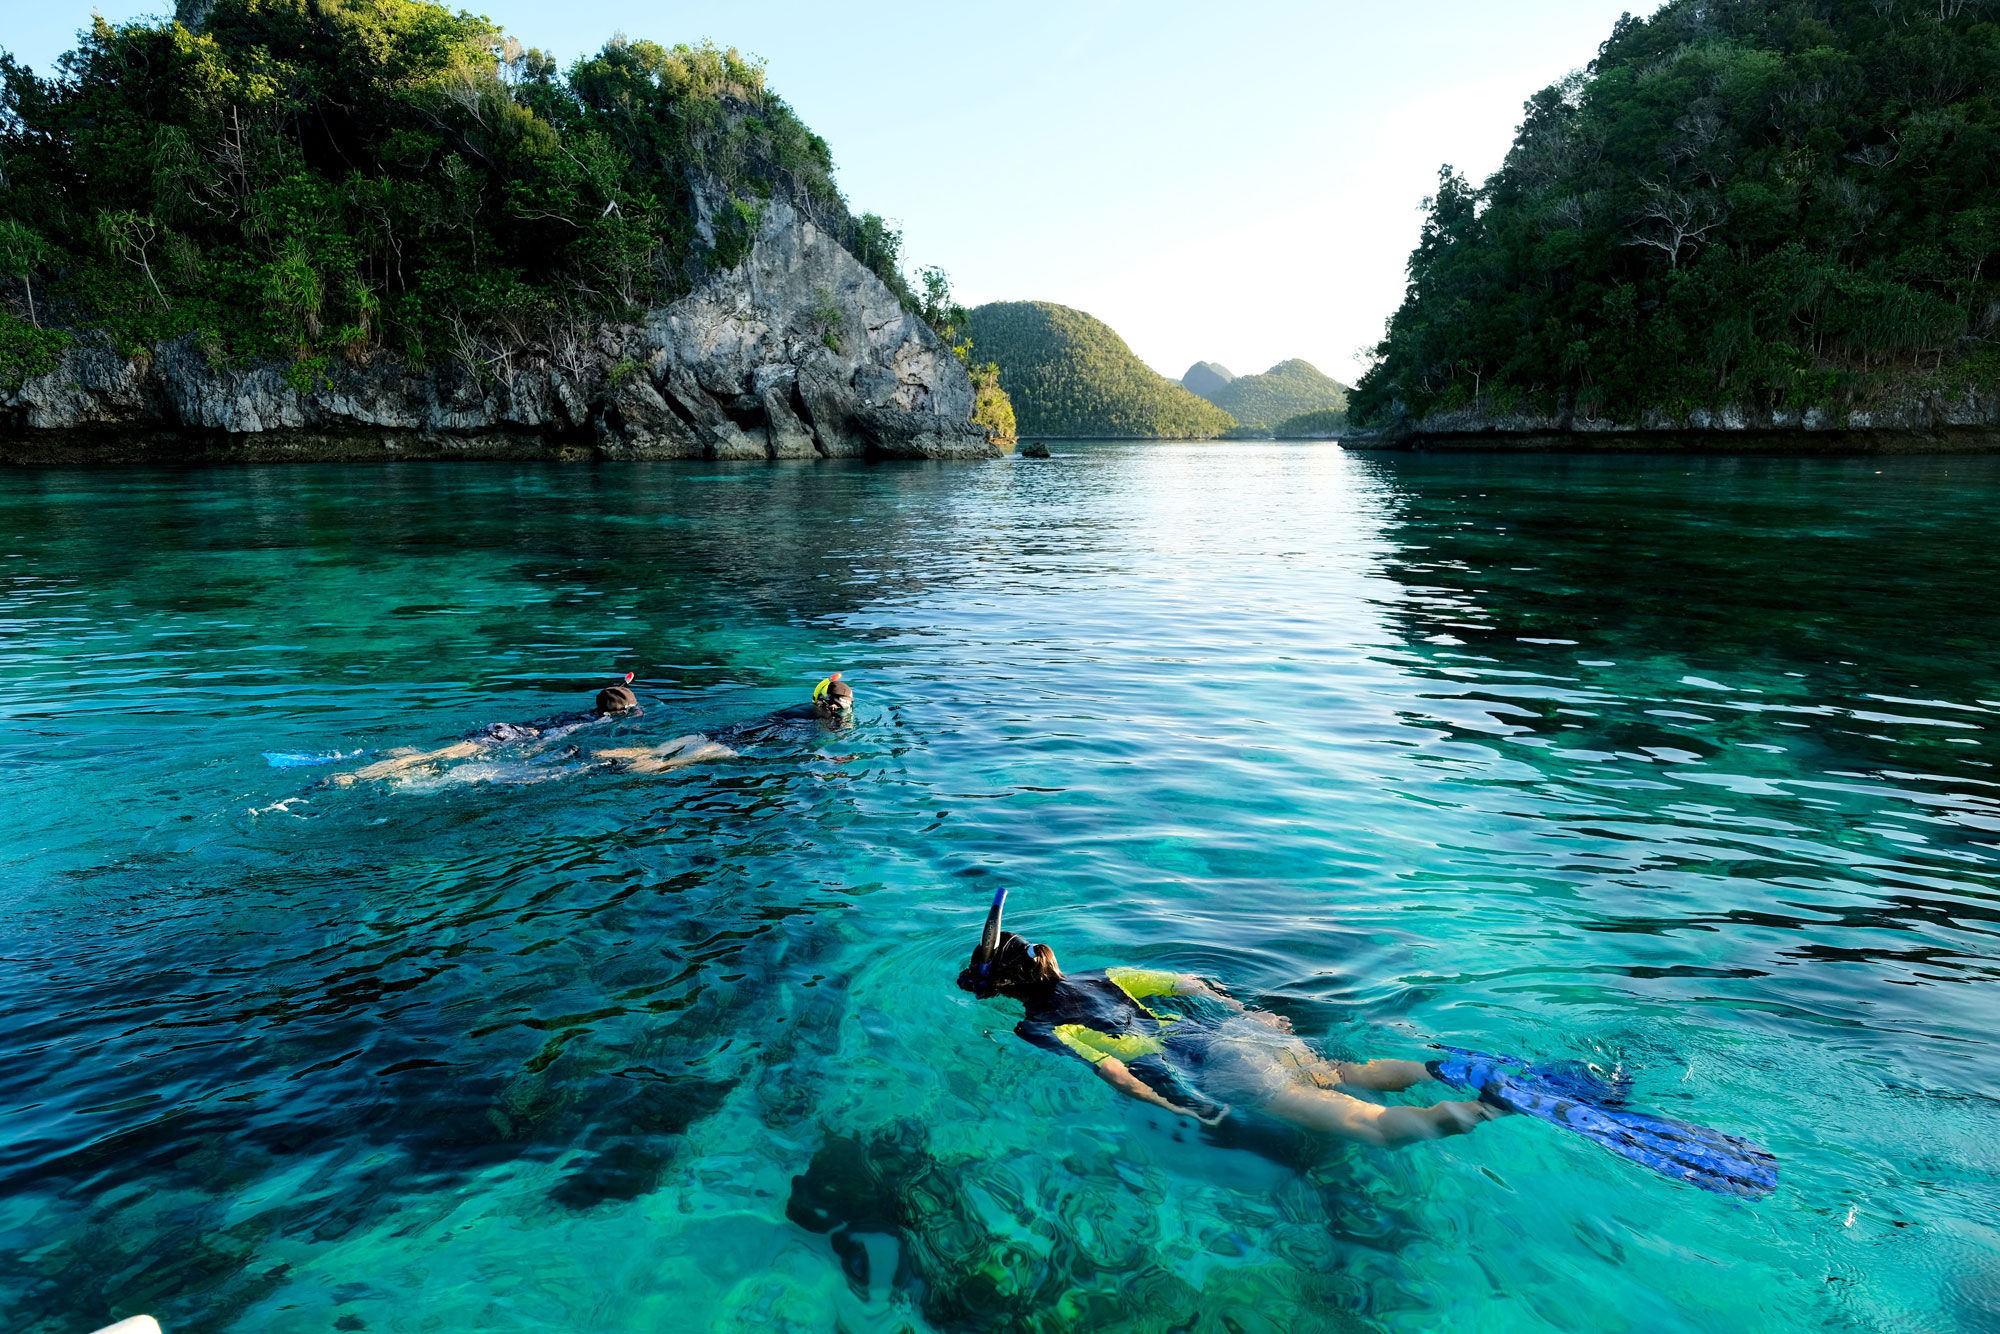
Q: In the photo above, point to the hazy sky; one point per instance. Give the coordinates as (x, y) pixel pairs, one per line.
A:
(1218, 183)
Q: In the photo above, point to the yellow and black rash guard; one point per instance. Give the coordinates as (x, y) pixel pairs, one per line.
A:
(1103, 1014)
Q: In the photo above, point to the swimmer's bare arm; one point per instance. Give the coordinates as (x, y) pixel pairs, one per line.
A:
(1117, 1074)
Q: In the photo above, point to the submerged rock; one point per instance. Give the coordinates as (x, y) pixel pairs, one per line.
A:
(798, 352)
(1075, 1243)
(1034, 449)
(634, 1141)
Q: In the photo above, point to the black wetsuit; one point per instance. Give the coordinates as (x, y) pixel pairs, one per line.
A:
(779, 722)
(545, 729)
(1102, 1014)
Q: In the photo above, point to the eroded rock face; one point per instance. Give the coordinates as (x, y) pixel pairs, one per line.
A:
(799, 352)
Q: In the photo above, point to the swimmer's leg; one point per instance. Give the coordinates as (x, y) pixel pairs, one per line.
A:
(1292, 1084)
(1383, 1076)
(707, 750)
(1333, 1113)
(676, 754)
(403, 761)
(1376, 1076)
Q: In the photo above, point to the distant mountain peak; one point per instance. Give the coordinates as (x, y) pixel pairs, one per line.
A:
(1261, 402)
(1206, 378)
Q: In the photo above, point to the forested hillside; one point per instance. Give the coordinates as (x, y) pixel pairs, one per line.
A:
(312, 179)
(1070, 375)
(1325, 424)
(1288, 389)
(1764, 202)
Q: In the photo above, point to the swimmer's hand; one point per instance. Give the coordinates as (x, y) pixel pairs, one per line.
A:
(1221, 1110)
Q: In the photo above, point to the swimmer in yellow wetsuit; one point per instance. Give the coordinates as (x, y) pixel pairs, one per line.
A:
(1192, 1064)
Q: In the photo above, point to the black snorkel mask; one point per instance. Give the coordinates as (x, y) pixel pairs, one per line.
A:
(985, 974)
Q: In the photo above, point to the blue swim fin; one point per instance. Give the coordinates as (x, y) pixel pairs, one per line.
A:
(279, 759)
(1574, 1097)
(1567, 1079)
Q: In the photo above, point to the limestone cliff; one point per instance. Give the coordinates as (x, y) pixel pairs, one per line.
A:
(798, 352)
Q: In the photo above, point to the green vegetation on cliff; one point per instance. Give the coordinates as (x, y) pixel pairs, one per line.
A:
(1070, 375)
(1260, 402)
(1768, 202)
(991, 407)
(306, 179)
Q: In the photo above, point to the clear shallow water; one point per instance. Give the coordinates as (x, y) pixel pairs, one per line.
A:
(1684, 763)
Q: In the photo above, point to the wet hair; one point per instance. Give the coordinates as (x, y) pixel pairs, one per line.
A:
(616, 699)
(1014, 967)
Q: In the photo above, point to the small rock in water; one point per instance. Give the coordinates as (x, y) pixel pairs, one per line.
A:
(1034, 449)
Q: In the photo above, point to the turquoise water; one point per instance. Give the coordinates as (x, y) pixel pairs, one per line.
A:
(1687, 764)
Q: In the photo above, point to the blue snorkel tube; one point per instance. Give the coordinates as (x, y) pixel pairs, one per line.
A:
(980, 975)
(989, 945)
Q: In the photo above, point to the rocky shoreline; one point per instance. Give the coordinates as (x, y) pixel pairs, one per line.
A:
(1969, 424)
(799, 352)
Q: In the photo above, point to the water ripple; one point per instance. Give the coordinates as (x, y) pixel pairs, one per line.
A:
(1680, 764)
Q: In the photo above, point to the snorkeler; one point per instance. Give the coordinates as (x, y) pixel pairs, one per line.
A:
(831, 706)
(1196, 1068)
(613, 702)
(1192, 1062)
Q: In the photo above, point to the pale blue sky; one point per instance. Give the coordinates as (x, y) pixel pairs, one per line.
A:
(1224, 183)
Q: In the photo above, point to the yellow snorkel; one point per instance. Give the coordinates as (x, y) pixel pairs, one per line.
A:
(833, 697)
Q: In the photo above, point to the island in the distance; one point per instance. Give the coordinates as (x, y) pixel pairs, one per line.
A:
(1071, 376)
(1293, 396)
(288, 230)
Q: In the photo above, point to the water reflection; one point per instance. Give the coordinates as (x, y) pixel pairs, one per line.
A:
(1722, 715)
